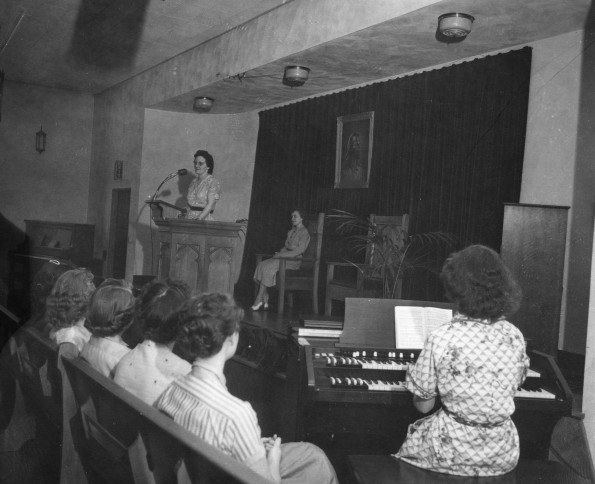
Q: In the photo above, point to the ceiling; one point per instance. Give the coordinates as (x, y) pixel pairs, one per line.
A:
(91, 45)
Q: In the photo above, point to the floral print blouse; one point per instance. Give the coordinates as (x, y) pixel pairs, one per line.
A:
(475, 366)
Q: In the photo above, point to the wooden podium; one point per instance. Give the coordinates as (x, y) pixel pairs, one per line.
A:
(207, 255)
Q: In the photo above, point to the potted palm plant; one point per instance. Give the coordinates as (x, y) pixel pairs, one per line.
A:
(390, 250)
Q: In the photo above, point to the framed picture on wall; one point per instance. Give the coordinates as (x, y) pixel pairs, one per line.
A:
(354, 150)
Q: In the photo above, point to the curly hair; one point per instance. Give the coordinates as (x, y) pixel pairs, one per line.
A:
(204, 322)
(156, 302)
(43, 282)
(111, 308)
(208, 159)
(68, 299)
(479, 284)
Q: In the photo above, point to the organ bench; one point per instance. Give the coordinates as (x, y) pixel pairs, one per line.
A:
(384, 469)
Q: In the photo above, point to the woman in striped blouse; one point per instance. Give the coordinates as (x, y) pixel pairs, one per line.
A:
(209, 332)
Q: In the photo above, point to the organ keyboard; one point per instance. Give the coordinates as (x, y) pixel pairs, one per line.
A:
(381, 370)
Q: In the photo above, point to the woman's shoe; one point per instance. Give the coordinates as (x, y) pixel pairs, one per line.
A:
(266, 306)
(256, 307)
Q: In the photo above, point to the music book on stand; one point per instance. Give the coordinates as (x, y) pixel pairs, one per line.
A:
(413, 324)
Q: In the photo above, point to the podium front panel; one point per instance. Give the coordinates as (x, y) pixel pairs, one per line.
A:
(203, 254)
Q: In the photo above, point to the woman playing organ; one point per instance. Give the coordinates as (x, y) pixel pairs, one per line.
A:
(475, 363)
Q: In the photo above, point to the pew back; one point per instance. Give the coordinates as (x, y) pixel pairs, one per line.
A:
(118, 430)
(38, 375)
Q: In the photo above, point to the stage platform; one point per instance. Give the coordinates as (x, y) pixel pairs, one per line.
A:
(278, 323)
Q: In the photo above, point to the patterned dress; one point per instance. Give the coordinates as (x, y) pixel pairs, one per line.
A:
(475, 367)
(148, 369)
(199, 194)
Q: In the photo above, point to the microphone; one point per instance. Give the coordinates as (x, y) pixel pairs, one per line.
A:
(180, 172)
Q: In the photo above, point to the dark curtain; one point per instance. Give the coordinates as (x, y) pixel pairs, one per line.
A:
(448, 149)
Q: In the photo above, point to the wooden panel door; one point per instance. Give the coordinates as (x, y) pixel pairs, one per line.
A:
(118, 234)
(533, 247)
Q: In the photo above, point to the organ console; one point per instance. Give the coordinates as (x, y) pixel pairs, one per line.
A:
(351, 396)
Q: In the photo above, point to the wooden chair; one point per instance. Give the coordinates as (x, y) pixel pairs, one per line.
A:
(348, 280)
(306, 277)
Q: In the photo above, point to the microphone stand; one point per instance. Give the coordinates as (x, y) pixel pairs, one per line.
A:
(168, 177)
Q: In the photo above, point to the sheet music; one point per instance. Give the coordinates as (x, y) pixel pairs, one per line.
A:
(413, 324)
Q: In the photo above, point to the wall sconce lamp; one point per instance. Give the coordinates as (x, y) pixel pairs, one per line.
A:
(203, 104)
(40, 140)
(455, 24)
(295, 75)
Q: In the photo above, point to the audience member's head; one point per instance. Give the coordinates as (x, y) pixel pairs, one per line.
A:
(68, 300)
(157, 301)
(42, 284)
(204, 323)
(479, 284)
(110, 308)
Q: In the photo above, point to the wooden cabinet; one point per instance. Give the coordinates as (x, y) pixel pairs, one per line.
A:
(69, 243)
(66, 241)
(533, 247)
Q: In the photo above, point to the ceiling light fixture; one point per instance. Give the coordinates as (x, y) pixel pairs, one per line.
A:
(455, 24)
(295, 75)
(203, 104)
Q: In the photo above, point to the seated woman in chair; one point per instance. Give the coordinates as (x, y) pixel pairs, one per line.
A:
(209, 332)
(265, 274)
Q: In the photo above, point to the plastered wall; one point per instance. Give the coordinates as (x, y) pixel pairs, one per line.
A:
(558, 167)
(53, 185)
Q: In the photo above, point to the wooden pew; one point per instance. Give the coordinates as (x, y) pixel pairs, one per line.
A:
(10, 392)
(38, 375)
(107, 434)
(125, 440)
(31, 397)
(385, 469)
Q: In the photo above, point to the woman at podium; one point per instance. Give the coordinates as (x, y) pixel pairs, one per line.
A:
(205, 190)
